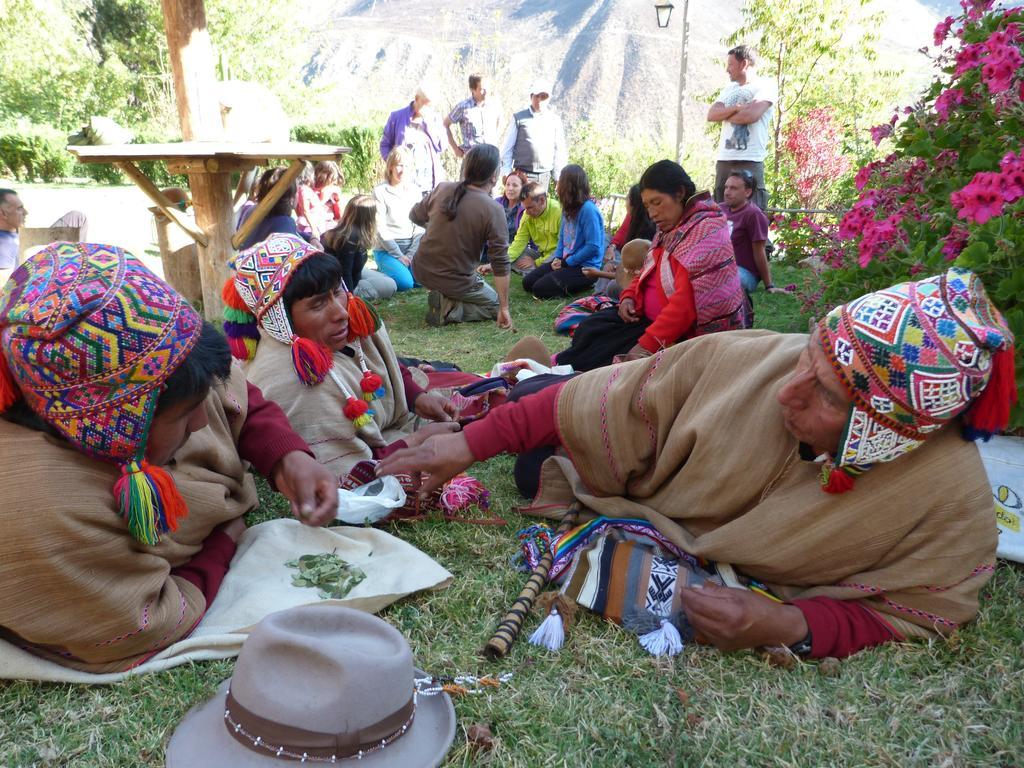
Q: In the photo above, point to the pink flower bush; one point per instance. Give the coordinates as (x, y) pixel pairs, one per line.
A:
(950, 191)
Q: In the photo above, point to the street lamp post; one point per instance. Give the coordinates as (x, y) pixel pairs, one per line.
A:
(664, 12)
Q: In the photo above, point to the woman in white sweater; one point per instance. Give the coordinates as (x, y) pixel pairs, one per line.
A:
(397, 237)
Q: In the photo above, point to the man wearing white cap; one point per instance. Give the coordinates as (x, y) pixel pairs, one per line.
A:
(535, 142)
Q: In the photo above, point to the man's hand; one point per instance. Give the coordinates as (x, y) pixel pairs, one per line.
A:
(731, 619)
(484, 269)
(309, 486)
(441, 457)
(406, 261)
(627, 311)
(431, 405)
(776, 289)
(556, 263)
(504, 319)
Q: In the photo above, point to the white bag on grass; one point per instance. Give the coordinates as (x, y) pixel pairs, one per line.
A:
(371, 502)
(1003, 458)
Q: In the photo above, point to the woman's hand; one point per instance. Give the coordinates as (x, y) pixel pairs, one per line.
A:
(428, 431)
(431, 405)
(556, 263)
(627, 311)
(636, 352)
(590, 272)
(441, 457)
(504, 319)
(405, 260)
(309, 486)
(731, 619)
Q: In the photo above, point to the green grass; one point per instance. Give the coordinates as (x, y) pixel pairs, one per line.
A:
(602, 700)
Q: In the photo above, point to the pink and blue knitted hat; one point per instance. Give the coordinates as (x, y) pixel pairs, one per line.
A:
(88, 336)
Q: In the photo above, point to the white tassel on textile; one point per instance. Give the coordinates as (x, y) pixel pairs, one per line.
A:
(550, 634)
(663, 641)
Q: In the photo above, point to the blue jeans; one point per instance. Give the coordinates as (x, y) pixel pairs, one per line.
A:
(394, 269)
(748, 280)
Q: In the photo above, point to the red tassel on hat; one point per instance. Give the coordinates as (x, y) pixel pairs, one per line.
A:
(990, 411)
(231, 297)
(312, 361)
(362, 319)
(835, 479)
(9, 392)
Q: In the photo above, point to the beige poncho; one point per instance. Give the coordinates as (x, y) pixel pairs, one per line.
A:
(316, 412)
(692, 439)
(77, 587)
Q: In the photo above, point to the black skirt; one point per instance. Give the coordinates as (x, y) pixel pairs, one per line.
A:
(600, 338)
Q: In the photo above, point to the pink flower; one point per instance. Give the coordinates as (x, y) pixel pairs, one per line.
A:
(1001, 66)
(946, 101)
(863, 176)
(982, 198)
(975, 8)
(880, 132)
(954, 242)
(877, 238)
(969, 57)
(942, 30)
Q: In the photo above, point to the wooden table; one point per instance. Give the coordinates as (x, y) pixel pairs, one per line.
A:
(209, 165)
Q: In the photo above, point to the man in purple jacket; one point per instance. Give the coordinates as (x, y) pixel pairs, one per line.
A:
(417, 128)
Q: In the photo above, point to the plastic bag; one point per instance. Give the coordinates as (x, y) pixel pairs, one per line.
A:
(1003, 458)
(371, 502)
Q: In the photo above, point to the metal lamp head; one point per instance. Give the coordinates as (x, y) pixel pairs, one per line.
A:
(664, 11)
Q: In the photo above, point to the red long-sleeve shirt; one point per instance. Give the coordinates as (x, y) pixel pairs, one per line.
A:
(675, 316)
(838, 628)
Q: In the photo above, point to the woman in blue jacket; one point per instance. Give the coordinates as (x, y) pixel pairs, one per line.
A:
(580, 241)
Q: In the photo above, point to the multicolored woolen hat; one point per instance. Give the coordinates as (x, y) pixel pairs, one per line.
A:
(88, 337)
(253, 300)
(912, 358)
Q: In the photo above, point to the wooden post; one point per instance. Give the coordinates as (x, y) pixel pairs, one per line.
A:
(195, 90)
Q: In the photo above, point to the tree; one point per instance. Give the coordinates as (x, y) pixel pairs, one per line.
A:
(821, 53)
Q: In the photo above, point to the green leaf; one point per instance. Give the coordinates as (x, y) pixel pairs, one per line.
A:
(983, 160)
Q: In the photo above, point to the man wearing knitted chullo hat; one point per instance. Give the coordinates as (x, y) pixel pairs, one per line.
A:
(829, 467)
(110, 381)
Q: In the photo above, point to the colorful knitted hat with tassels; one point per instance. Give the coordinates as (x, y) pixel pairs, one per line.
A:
(912, 358)
(252, 300)
(88, 337)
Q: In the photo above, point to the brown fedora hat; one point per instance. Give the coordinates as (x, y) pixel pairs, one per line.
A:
(318, 684)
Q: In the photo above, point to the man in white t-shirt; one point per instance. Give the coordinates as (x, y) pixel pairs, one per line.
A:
(744, 109)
